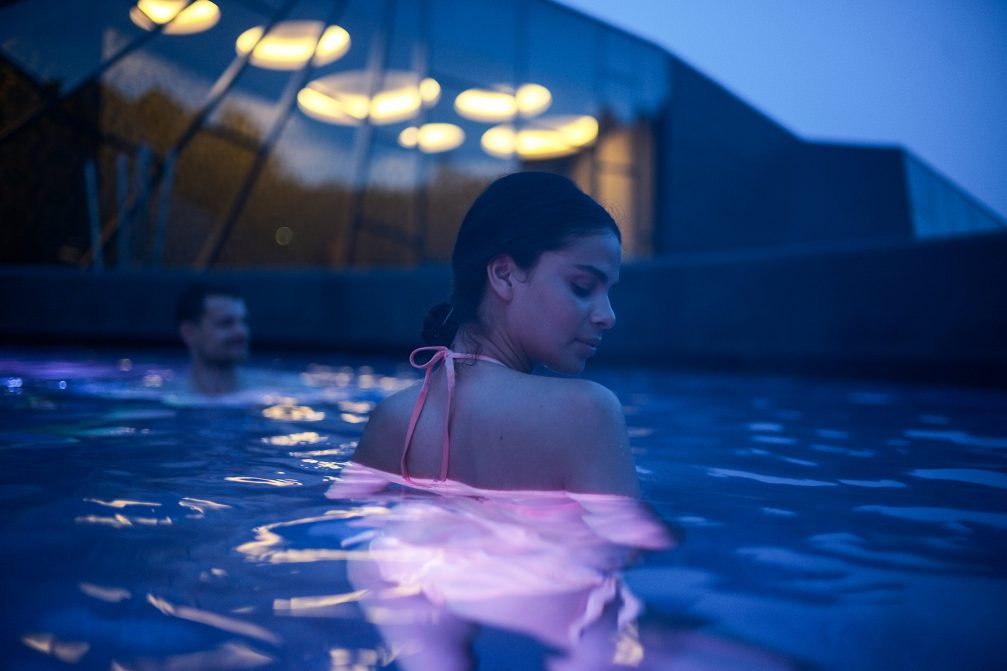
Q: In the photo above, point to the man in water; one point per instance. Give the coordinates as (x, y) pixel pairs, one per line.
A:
(212, 323)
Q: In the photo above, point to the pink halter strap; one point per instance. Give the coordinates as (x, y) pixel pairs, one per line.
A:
(440, 353)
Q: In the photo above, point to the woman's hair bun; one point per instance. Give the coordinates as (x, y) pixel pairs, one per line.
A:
(440, 326)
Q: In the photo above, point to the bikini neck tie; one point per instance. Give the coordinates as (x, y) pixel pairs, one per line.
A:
(440, 353)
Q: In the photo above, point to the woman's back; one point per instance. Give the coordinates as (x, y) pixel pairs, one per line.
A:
(509, 430)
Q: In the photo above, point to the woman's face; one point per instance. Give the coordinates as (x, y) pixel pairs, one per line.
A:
(561, 306)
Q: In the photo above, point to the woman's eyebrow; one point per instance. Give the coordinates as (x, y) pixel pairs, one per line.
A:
(597, 272)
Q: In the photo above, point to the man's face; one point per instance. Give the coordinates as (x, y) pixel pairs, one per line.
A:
(220, 337)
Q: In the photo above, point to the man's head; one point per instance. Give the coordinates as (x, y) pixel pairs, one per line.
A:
(212, 323)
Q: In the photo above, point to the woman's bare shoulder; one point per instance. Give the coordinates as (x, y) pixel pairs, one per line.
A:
(575, 395)
(385, 431)
(594, 439)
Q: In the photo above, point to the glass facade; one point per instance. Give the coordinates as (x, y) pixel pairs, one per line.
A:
(265, 133)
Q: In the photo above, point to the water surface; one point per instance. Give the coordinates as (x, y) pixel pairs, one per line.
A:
(832, 524)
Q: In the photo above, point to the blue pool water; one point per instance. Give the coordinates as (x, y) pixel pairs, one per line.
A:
(821, 524)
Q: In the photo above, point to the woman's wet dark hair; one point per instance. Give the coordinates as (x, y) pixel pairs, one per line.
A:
(520, 215)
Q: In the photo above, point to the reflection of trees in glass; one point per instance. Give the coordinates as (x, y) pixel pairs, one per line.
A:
(450, 192)
(317, 215)
(405, 218)
(41, 172)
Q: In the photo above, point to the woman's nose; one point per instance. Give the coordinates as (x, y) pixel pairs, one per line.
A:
(604, 315)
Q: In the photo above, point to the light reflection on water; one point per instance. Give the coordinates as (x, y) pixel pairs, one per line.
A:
(141, 532)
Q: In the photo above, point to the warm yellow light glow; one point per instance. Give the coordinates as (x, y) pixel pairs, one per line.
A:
(302, 603)
(532, 100)
(499, 141)
(432, 138)
(485, 105)
(272, 482)
(215, 620)
(549, 137)
(283, 236)
(65, 651)
(122, 503)
(290, 44)
(430, 91)
(409, 137)
(502, 104)
(318, 375)
(197, 17)
(302, 438)
(288, 412)
(343, 98)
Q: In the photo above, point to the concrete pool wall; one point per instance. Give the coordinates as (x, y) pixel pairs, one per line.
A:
(934, 309)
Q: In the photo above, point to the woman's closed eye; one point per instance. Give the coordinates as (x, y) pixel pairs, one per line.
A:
(581, 290)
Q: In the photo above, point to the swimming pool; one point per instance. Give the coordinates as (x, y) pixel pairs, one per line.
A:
(835, 524)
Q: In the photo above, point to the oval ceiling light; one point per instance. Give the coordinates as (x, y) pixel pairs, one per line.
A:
(289, 45)
(550, 137)
(501, 103)
(430, 91)
(197, 17)
(532, 100)
(432, 138)
(343, 98)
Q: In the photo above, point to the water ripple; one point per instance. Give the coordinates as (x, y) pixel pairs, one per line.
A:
(971, 475)
(768, 479)
(940, 515)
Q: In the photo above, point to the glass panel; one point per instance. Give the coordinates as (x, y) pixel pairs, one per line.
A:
(89, 33)
(653, 80)
(563, 57)
(451, 190)
(620, 55)
(474, 42)
(616, 193)
(305, 187)
(389, 204)
(378, 247)
(209, 176)
(272, 180)
(616, 147)
(42, 191)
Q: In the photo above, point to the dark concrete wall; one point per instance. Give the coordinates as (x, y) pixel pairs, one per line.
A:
(731, 178)
(845, 192)
(930, 310)
(722, 171)
(354, 310)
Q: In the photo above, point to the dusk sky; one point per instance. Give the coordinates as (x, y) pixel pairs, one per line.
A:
(927, 75)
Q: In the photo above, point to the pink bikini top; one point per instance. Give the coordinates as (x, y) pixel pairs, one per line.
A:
(440, 354)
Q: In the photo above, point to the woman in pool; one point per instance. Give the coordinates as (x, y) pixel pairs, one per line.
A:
(533, 264)
(539, 507)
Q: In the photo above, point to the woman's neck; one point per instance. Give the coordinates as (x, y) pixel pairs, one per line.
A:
(496, 345)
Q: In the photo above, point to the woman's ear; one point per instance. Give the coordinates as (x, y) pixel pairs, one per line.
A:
(500, 275)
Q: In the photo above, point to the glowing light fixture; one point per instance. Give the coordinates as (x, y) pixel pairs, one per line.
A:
(532, 100)
(432, 138)
(291, 44)
(502, 103)
(197, 17)
(343, 98)
(549, 137)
